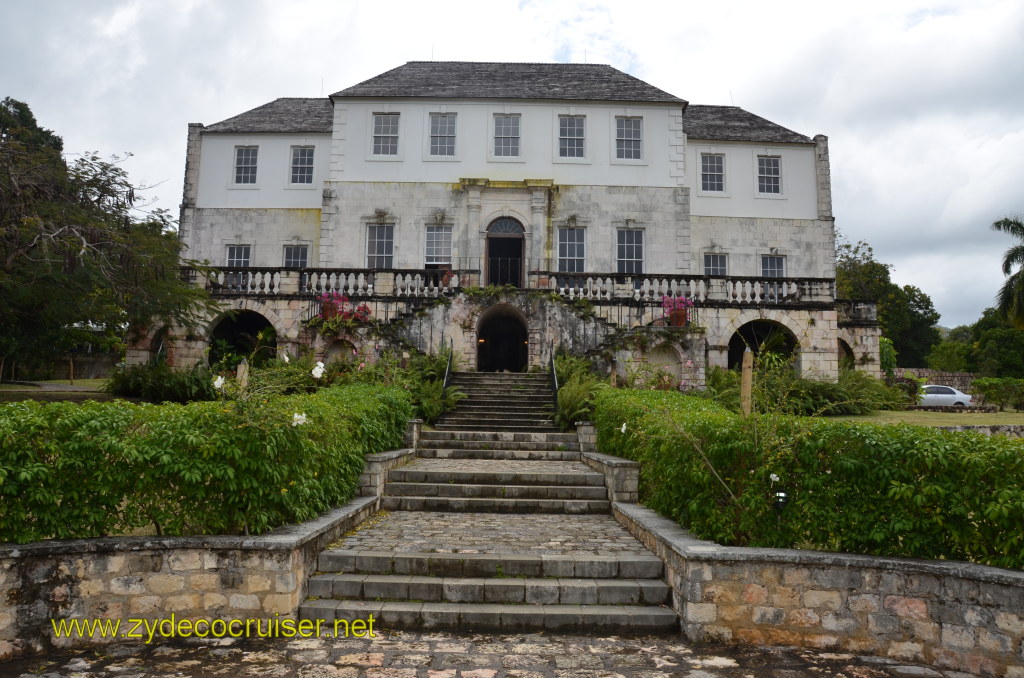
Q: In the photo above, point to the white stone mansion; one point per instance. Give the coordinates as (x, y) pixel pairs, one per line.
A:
(412, 190)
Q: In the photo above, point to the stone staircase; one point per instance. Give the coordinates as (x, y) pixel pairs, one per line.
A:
(496, 525)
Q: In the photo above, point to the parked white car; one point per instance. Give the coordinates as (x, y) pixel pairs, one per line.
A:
(943, 396)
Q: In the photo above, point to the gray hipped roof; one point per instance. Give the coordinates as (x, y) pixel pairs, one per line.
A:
(730, 123)
(284, 116)
(487, 80)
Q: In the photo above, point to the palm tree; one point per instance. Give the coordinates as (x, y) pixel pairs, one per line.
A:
(1010, 298)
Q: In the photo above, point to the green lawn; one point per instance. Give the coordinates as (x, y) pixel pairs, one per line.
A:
(924, 418)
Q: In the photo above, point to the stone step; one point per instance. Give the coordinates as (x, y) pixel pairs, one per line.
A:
(575, 565)
(504, 377)
(525, 590)
(495, 505)
(498, 454)
(496, 445)
(499, 422)
(494, 617)
(505, 395)
(441, 426)
(503, 406)
(553, 438)
(497, 491)
(422, 472)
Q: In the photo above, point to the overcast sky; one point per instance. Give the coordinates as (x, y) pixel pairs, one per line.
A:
(922, 100)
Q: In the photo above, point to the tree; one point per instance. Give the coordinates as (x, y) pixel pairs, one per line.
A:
(906, 314)
(1010, 299)
(78, 262)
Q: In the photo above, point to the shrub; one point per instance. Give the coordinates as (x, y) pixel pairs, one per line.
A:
(157, 383)
(883, 490)
(1003, 392)
(230, 467)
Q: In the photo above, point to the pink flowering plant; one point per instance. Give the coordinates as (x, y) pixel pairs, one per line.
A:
(337, 312)
(670, 305)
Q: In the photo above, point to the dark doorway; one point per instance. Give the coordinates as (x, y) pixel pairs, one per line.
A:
(501, 345)
(761, 336)
(245, 334)
(505, 252)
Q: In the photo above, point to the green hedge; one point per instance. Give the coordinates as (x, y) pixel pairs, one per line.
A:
(228, 467)
(884, 490)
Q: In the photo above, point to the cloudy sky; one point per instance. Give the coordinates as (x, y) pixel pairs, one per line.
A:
(922, 100)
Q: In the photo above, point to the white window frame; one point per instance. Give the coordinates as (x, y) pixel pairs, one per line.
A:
(622, 261)
(765, 270)
(294, 164)
(619, 137)
(492, 145)
(305, 257)
(432, 133)
(724, 266)
(572, 253)
(232, 261)
(778, 177)
(564, 133)
(376, 258)
(437, 252)
(702, 173)
(238, 166)
(378, 131)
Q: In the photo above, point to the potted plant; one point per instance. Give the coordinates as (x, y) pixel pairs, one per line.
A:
(677, 310)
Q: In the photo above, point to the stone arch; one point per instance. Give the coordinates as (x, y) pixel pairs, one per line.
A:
(727, 330)
(758, 333)
(847, 358)
(341, 350)
(667, 357)
(242, 334)
(502, 332)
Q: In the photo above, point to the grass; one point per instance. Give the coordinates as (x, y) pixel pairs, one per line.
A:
(95, 384)
(924, 418)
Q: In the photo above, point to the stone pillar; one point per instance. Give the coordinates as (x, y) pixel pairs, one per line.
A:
(823, 173)
(191, 185)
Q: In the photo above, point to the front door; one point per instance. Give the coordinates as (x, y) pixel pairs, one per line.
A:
(504, 260)
(502, 345)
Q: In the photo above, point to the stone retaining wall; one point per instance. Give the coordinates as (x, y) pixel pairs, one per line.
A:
(952, 615)
(1008, 430)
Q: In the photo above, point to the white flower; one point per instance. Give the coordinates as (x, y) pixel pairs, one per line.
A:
(285, 358)
(774, 478)
(319, 364)
(298, 419)
(318, 371)
(218, 383)
(623, 429)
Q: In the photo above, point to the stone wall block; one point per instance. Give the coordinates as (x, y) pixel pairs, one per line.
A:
(703, 613)
(769, 615)
(127, 585)
(907, 651)
(864, 602)
(181, 561)
(958, 636)
(803, 617)
(165, 583)
(838, 579)
(829, 600)
(903, 606)
(244, 602)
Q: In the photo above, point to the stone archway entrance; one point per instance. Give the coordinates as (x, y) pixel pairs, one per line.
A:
(502, 344)
(505, 252)
(761, 336)
(245, 334)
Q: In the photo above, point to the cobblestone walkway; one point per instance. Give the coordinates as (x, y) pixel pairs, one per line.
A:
(447, 655)
(433, 532)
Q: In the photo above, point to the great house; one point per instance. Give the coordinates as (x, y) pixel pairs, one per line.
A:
(509, 209)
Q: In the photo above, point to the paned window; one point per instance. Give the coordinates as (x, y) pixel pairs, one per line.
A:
(628, 139)
(571, 250)
(385, 133)
(769, 174)
(773, 266)
(302, 164)
(442, 134)
(439, 245)
(238, 256)
(571, 136)
(296, 256)
(380, 245)
(506, 136)
(712, 172)
(715, 265)
(630, 251)
(245, 164)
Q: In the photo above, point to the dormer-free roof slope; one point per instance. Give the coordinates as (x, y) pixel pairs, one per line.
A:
(283, 116)
(731, 123)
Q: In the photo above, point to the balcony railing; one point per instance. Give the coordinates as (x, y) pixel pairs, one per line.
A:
(594, 287)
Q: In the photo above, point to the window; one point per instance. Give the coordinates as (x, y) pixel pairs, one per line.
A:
(506, 136)
(628, 138)
(238, 256)
(380, 245)
(712, 172)
(442, 134)
(245, 164)
(570, 136)
(630, 251)
(296, 256)
(302, 164)
(385, 133)
(773, 266)
(769, 174)
(714, 265)
(439, 245)
(571, 250)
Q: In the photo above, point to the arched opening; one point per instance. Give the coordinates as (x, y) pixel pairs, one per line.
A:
(761, 336)
(846, 357)
(505, 252)
(666, 359)
(340, 351)
(502, 344)
(245, 334)
(158, 345)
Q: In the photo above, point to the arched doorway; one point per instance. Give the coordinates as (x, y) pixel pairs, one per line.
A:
(505, 252)
(761, 336)
(245, 334)
(846, 357)
(502, 344)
